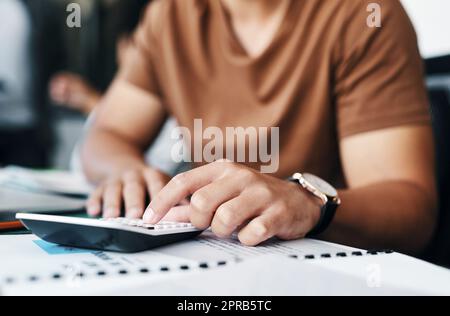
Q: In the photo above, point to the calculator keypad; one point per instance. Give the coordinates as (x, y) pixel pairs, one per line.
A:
(140, 223)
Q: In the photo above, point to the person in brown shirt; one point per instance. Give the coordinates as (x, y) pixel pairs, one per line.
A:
(348, 99)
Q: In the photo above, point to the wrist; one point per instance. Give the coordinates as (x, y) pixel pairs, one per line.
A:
(310, 206)
(315, 210)
(92, 101)
(125, 167)
(324, 194)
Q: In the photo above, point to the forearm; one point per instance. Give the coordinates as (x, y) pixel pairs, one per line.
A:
(104, 155)
(392, 215)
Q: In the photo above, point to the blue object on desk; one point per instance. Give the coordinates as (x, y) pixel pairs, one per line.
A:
(53, 249)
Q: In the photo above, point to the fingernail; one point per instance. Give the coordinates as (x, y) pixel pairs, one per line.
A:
(260, 230)
(149, 215)
(93, 210)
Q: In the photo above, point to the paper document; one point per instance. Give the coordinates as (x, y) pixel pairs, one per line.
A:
(266, 276)
(36, 267)
(13, 201)
(209, 247)
(211, 266)
(30, 266)
(407, 274)
(60, 182)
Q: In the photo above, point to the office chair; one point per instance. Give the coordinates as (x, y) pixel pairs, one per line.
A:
(440, 112)
(438, 65)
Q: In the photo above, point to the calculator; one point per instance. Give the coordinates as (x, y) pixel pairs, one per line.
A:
(112, 234)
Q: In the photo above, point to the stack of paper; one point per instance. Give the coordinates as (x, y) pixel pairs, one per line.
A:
(56, 182)
(24, 190)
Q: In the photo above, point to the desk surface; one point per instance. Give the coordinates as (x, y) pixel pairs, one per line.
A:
(277, 268)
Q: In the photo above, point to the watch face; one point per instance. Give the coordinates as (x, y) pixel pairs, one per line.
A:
(321, 185)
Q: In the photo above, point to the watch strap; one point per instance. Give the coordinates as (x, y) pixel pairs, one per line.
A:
(327, 213)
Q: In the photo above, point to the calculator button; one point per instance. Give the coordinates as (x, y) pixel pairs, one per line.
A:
(164, 225)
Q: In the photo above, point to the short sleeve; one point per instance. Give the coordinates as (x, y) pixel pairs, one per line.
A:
(379, 72)
(138, 60)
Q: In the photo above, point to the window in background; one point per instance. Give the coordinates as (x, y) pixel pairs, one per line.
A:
(432, 23)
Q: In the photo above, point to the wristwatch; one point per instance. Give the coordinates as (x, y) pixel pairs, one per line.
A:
(323, 191)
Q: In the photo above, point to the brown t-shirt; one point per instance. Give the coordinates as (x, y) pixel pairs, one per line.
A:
(326, 75)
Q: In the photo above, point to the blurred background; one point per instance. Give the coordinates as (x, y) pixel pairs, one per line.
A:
(52, 76)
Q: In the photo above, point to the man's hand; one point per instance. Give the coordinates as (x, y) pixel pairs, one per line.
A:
(230, 197)
(129, 189)
(73, 91)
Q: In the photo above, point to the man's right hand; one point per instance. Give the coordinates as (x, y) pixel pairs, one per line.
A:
(128, 190)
